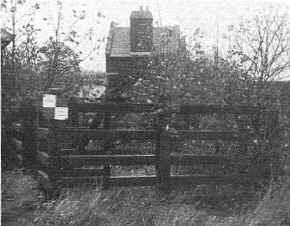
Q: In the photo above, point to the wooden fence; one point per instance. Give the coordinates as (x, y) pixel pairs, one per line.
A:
(59, 156)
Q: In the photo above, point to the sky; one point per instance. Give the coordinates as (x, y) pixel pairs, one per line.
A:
(212, 16)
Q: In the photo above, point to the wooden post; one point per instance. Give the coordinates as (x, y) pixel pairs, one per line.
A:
(243, 146)
(28, 112)
(111, 94)
(158, 131)
(107, 143)
(74, 119)
(73, 114)
(163, 173)
(53, 170)
(273, 135)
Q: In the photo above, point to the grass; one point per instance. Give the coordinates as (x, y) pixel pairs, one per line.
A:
(89, 205)
(146, 206)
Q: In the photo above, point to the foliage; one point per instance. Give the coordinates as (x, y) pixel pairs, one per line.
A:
(39, 74)
(31, 66)
(174, 78)
(59, 64)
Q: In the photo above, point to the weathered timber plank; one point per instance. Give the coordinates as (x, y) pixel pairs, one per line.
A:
(42, 133)
(117, 150)
(110, 133)
(210, 109)
(175, 159)
(43, 158)
(68, 151)
(188, 159)
(164, 162)
(79, 172)
(125, 160)
(213, 179)
(150, 134)
(209, 135)
(106, 145)
(69, 181)
(111, 108)
(133, 181)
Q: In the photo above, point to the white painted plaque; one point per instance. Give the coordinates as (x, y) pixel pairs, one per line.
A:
(61, 113)
(49, 101)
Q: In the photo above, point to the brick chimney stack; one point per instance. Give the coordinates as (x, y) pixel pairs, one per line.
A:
(141, 30)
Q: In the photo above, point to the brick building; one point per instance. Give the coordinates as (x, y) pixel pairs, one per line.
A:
(128, 46)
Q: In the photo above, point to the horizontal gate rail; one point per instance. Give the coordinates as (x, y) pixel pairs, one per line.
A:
(124, 160)
(111, 108)
(209, 135)
(189, 159)
(79, 172)
(209, 109)
(133, 181)
(150, 134)
(110, 133)
(74, 180)
(91, 151)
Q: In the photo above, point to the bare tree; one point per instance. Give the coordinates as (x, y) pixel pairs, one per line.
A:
(262, 45)
(261, 53)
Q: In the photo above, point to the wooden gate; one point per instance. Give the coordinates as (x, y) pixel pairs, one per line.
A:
(76, 164)
(59, 154)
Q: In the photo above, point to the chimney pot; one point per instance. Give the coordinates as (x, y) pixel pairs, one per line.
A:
(147, 8)
(141, 8)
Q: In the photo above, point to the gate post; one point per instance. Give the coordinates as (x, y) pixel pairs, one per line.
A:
(107, 168)
(73, 120)
(29, 114)
(54, 167)
(158, 131)
(273, 135)
(163, 172)
(73, 114)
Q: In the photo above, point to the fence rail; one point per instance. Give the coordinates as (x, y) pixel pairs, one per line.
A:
(221, 109)
(111, 108)
(109, 133)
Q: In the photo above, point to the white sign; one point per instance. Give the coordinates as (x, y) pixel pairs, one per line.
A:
(61, 113)
(49, 101)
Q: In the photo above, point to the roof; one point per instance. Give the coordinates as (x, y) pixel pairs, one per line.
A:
(118, 44)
